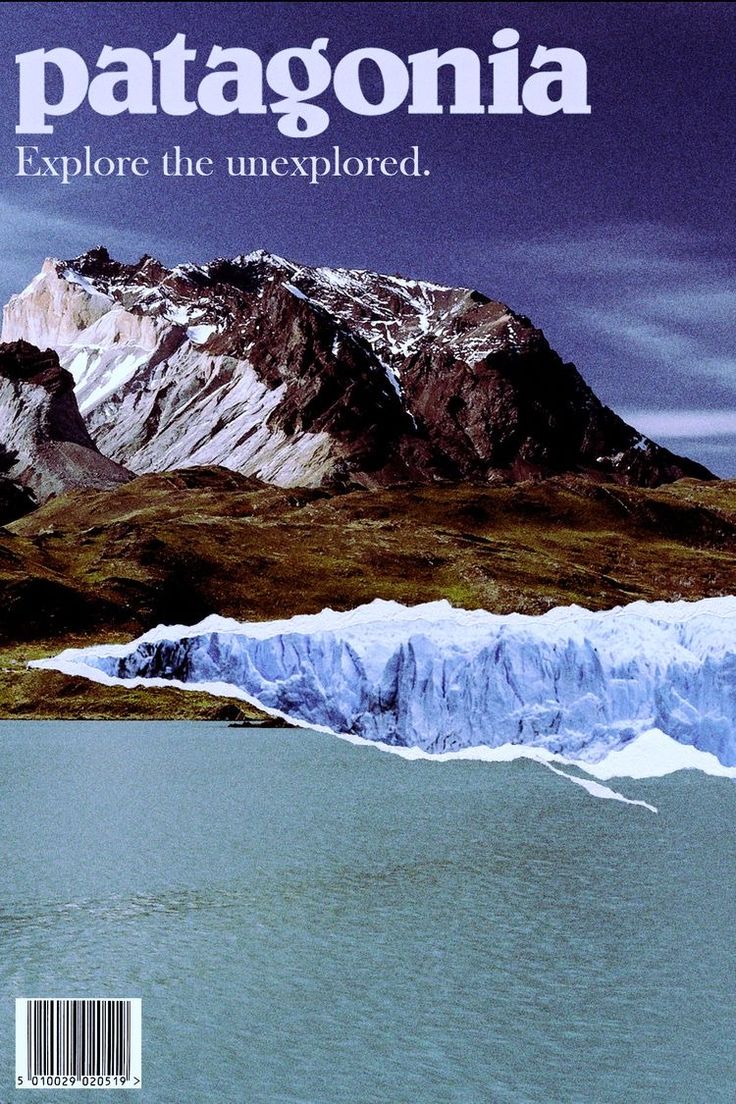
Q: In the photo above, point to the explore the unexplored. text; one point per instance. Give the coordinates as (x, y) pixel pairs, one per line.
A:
(312, 168)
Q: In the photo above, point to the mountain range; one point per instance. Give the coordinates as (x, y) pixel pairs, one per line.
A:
(314, 377)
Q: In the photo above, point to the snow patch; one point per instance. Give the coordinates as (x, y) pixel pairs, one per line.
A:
(200, 335)
(121, 370)
(296, 292)
(180, 316)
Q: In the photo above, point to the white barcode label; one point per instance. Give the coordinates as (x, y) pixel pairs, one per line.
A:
(77, 1044)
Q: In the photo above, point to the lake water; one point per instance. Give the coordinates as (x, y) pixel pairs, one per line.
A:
(310, 922)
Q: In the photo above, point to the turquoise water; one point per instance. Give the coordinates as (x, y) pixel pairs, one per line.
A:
(307, 921)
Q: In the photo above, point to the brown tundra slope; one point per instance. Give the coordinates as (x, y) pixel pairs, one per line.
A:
(172, 548)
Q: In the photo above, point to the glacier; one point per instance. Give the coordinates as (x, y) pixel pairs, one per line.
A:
(633, 691)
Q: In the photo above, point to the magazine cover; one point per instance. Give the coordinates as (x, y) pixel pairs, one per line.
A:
(368, 553)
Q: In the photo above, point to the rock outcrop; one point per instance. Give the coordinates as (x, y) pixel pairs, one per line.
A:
(45, 447)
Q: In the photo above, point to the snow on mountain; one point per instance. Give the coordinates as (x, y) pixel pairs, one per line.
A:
(313, 376)
(616, 692)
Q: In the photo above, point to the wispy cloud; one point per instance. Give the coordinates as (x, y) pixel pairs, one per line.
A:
(674, 424)
(674, 343)
(641, 248)
(666, 296)
(29, 232)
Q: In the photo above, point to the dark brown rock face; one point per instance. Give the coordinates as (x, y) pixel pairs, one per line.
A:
(323, 377)
(45, 447)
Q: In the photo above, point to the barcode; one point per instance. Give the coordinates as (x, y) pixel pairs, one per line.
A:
(70, 1043)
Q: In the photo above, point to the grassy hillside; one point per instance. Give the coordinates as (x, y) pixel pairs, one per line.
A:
(173, 548)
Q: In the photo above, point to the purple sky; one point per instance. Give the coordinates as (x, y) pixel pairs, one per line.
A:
(613, 231)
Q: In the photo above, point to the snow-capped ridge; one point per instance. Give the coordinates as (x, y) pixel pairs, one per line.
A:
(260, 256)
(308, 375)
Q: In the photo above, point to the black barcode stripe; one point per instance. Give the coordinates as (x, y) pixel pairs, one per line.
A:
(78, 1038)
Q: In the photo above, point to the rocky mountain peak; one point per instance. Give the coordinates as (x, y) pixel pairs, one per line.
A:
(19, 360)
(316, 376)
(45, 447)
